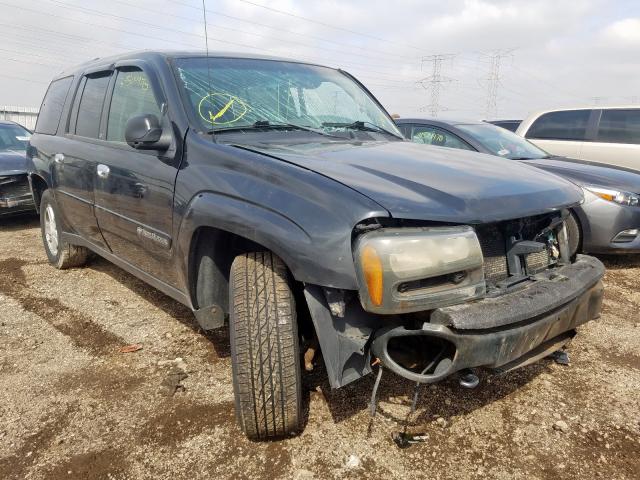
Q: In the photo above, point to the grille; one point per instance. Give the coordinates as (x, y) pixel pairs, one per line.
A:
(536, 262)
(492, 242)
(494, 252)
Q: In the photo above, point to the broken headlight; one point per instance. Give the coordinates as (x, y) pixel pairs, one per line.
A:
(410, 269)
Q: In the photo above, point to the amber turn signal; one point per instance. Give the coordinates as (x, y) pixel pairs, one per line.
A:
(373, 275)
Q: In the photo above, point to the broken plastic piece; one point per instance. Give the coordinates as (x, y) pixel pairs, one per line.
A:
(405, 440)
(560, 357)
(131, 348)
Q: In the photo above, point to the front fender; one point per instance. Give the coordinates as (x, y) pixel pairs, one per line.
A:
(303, 217)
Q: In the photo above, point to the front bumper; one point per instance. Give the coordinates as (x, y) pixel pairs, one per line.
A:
(509, 331)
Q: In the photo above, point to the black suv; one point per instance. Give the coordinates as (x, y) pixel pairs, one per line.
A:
(280, 195)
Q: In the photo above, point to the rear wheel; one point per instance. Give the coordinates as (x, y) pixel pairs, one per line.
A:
(60, 253)
(264, 347)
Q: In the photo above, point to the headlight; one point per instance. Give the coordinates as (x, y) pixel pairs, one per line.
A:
(409, 269)
(623, 198)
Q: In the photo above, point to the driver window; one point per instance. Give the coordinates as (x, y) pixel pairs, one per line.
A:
(132, 95)
(437, 137)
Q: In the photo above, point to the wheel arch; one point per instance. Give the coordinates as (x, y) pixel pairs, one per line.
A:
(226, 227)
(38, 186)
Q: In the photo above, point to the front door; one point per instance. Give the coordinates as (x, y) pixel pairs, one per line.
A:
(134, 188)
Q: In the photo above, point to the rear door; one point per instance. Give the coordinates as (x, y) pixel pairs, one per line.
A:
(561, 132)
(617, 138)
(75, 158)
(134, 188)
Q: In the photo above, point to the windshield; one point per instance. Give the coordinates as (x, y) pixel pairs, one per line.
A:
(502, 142)
(13, 137)
(250, 92)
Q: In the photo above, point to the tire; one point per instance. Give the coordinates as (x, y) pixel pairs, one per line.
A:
(60, 253)
(264, 347)
(574, 234)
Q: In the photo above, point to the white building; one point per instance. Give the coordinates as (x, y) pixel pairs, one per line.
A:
(25, 116)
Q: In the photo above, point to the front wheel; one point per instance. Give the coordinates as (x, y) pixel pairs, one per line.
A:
(60, 253)
(264, 347)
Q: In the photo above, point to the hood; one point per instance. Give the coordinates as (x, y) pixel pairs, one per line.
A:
(421, 182)
(13, 162)
(591, 173)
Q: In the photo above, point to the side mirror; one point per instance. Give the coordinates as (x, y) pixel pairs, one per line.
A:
(144, 132)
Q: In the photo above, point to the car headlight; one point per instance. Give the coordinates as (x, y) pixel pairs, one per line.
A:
(410, 269)
(617, 196)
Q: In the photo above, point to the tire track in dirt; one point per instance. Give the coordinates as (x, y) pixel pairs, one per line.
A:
(79, 328)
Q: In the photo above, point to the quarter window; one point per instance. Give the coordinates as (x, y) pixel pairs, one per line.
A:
(619, 126)
(132, 95)
(90, 109)
(51, 109)
(563, 125)
(438, 137)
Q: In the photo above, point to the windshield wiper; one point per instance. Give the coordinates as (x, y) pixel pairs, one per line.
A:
(266, 125)
(361, 125)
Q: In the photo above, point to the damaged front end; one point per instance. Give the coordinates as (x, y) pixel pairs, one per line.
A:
(435, 300)
(15, 194)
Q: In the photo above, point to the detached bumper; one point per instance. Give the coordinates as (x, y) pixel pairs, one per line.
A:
(509, 331)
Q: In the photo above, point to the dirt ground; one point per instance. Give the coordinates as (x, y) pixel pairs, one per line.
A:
(73, 406)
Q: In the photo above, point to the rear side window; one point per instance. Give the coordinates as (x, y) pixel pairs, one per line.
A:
(619, 126)
(564, 125)
(132, 95)
(52, 105)
(90, 108)
(438, 137)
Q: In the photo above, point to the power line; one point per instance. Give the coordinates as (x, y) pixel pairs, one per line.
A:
(300, 34)
(351, 64)
(328, 25)
(435, 81)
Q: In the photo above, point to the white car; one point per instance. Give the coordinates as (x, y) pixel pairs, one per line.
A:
(608, 135)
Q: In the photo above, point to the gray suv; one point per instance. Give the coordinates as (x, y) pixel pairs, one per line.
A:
(279, 196)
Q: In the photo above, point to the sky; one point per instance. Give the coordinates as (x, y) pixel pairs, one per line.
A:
(532, 54)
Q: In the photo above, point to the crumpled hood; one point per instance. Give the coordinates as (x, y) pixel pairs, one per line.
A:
(591, 173)
(13, 162)
(422, 182)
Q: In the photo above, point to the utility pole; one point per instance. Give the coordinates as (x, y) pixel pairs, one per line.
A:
(435, 81)
(597, 100)
(493, 80)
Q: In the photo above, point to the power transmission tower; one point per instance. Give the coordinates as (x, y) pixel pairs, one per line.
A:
(435, 81)
(493, 80)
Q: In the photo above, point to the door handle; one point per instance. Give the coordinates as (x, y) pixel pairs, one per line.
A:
(58, 158)
(103, 171)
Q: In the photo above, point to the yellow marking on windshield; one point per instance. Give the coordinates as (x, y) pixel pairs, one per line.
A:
(233, 109)
(221, 112)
